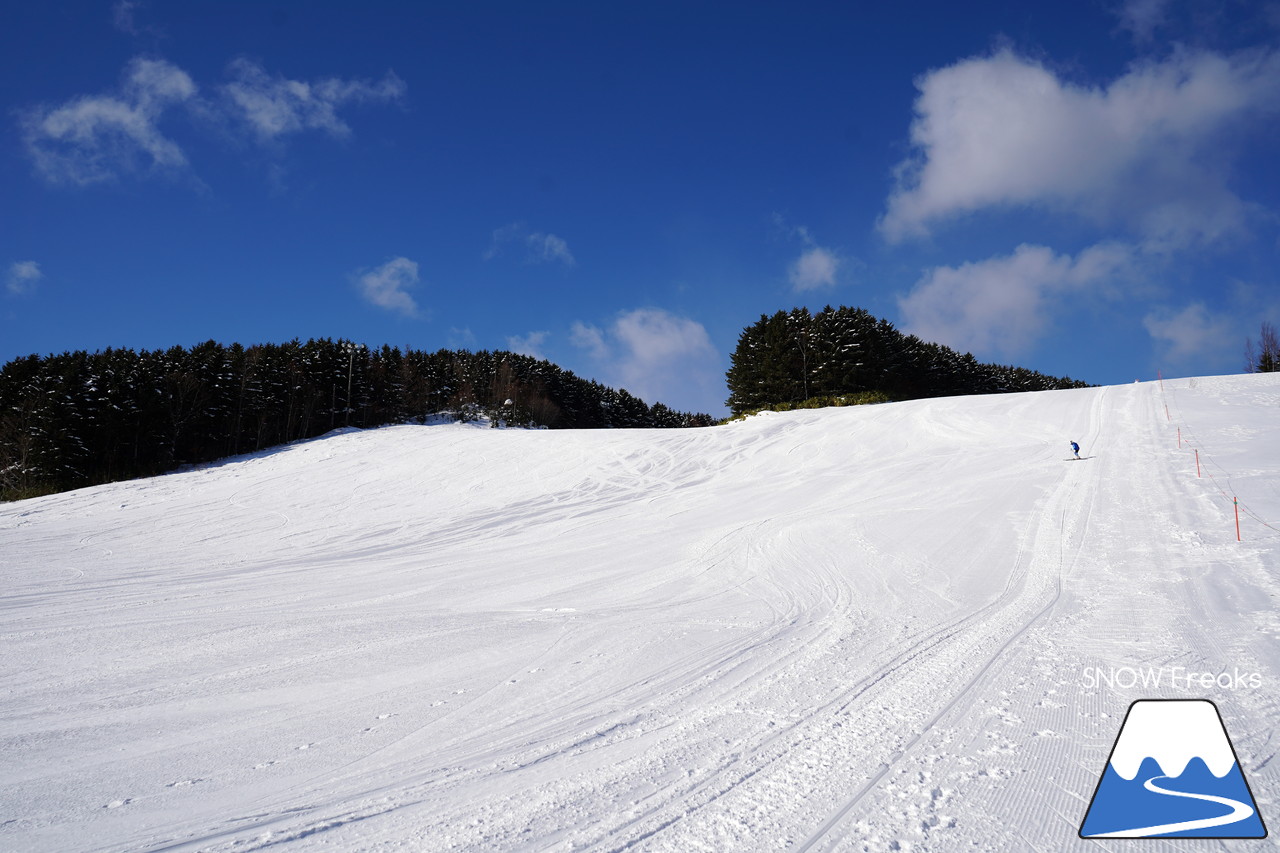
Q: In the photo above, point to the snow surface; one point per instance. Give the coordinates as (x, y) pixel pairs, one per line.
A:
(854, 629)
(1172, 733)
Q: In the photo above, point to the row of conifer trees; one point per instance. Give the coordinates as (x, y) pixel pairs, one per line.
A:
(83, 418)
(796, 355)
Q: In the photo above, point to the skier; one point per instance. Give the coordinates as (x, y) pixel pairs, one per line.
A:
(1075, 448)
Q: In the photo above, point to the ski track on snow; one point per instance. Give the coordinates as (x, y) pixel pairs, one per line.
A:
(837, 630)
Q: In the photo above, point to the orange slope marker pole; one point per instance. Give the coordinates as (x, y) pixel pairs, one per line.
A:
(1236, 501)
(1197, 462)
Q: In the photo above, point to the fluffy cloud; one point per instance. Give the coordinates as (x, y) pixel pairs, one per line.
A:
(23, 276)
(1001, 305)
(275, 106)
(539, 246)
(549, 247)
(388, 286)
(96, 138)
(1004, 131)
(815, 268)
(656, 356)
(530, 344)
(589, 338)
(1193, 331)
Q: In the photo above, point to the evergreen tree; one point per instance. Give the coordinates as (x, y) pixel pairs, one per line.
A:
(77, 419)
(794, 356)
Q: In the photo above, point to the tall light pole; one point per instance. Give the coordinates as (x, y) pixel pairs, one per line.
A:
(351, 349)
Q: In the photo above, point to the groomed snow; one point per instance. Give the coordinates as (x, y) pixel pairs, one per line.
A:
(912, 626)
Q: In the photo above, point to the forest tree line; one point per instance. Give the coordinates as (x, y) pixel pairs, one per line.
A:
(796, 355)
(81, 418)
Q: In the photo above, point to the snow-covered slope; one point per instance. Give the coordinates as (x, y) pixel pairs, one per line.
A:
(914, 624)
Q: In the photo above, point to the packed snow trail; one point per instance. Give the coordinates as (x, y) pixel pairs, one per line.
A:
(823, 630)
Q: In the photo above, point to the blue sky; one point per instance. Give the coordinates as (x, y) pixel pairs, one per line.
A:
(1084, 188)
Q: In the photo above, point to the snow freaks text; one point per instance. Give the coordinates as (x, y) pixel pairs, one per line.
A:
(1173, 677)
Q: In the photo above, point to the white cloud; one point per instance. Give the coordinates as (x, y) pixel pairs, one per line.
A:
(540, 247)
(814, 269)
(549, 247)
(23, 276)
(817, 266)
(1142, 17)
(651, 336)
(589, 338)
(656, 356)
(1193, 331)
(530, 344)
(122, 16)
(388, 286)
(501, 237)
(1002, 305)
(462, 338)
(1144, 152)
(96, 138)
(274, 106)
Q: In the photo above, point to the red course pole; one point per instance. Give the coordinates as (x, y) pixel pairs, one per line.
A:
(1179, 438)
(1236, 501)
(1197, 462)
